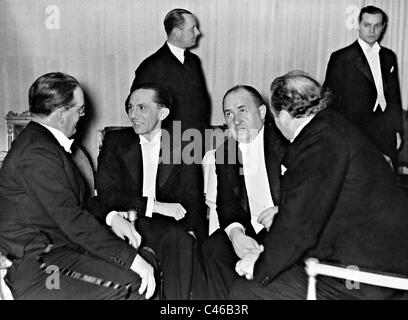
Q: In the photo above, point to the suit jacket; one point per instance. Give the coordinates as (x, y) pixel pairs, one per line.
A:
(232, 199)
(351, 81)
(339, 203)
(42, 203)
(186, 82)
(119, 179)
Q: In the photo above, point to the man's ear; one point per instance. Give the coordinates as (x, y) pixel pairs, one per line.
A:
(164, 112)
(262, 111)
(175, 33)
(59, 114)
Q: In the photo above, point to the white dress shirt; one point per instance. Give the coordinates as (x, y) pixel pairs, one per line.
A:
(60, 136)
(256, 180)
(150, 154)
(373, 57)
(178, 52)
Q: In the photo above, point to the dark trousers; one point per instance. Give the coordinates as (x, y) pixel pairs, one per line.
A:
(220, 260)
(83, 281)
(176, 250)
(292, 285)
(380, 129)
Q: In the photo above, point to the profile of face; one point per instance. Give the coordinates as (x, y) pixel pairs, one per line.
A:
(188, 33)
(144, 114)
(283, 121)
(244, 118)
(70, 115)
(371, 28)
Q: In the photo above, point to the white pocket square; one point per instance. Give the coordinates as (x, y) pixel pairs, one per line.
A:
(283, 169)
(392, 69)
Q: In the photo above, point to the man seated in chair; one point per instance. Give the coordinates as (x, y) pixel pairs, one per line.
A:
(339, 203)
(141, 168)
(248, 169)
(58, 249)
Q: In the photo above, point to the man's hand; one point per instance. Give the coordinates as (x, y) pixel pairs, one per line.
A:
(266, 217)
(146, 273)
(388, 159)
(123, 228)
(243, 244)
(174, 210)
(245, 266)
(399, 140)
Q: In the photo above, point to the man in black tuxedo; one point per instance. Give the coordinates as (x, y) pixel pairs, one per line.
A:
(339, 203)
(58, 249)
(248, 169)
(140, 168)
(364, 80)
(180, 70)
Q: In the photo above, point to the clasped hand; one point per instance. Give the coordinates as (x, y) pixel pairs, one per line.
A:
(124, 229)
(247, 249)
(174, 210)
(146, 273)
(245, 266)
(266, 217)
(244, 244)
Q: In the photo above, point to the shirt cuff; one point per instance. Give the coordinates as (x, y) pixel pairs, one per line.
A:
(110, 216)
(232, 226)
(134, 265)
(149, 207)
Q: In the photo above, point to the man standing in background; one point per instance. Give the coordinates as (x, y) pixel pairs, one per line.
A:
(180, 70)
(363, 78)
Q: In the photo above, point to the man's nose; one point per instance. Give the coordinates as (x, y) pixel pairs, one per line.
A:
(236, 120)
(197, 32)
(133, 113)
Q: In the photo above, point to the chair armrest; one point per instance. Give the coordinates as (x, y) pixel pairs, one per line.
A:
(376, 278)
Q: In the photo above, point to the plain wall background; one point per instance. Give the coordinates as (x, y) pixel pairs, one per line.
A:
(101, 42)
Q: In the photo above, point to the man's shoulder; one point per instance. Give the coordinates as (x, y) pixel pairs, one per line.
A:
(388, 51)
(160, 56)
(35, 135)
(193, 55)
(346, 51)
(120, 135)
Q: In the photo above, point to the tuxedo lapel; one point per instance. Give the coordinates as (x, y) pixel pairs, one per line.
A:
(167, 159)
(79, 178)
(236, 173)
(361, 63)
(272, 164)
(134, 161)
(386, 67)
